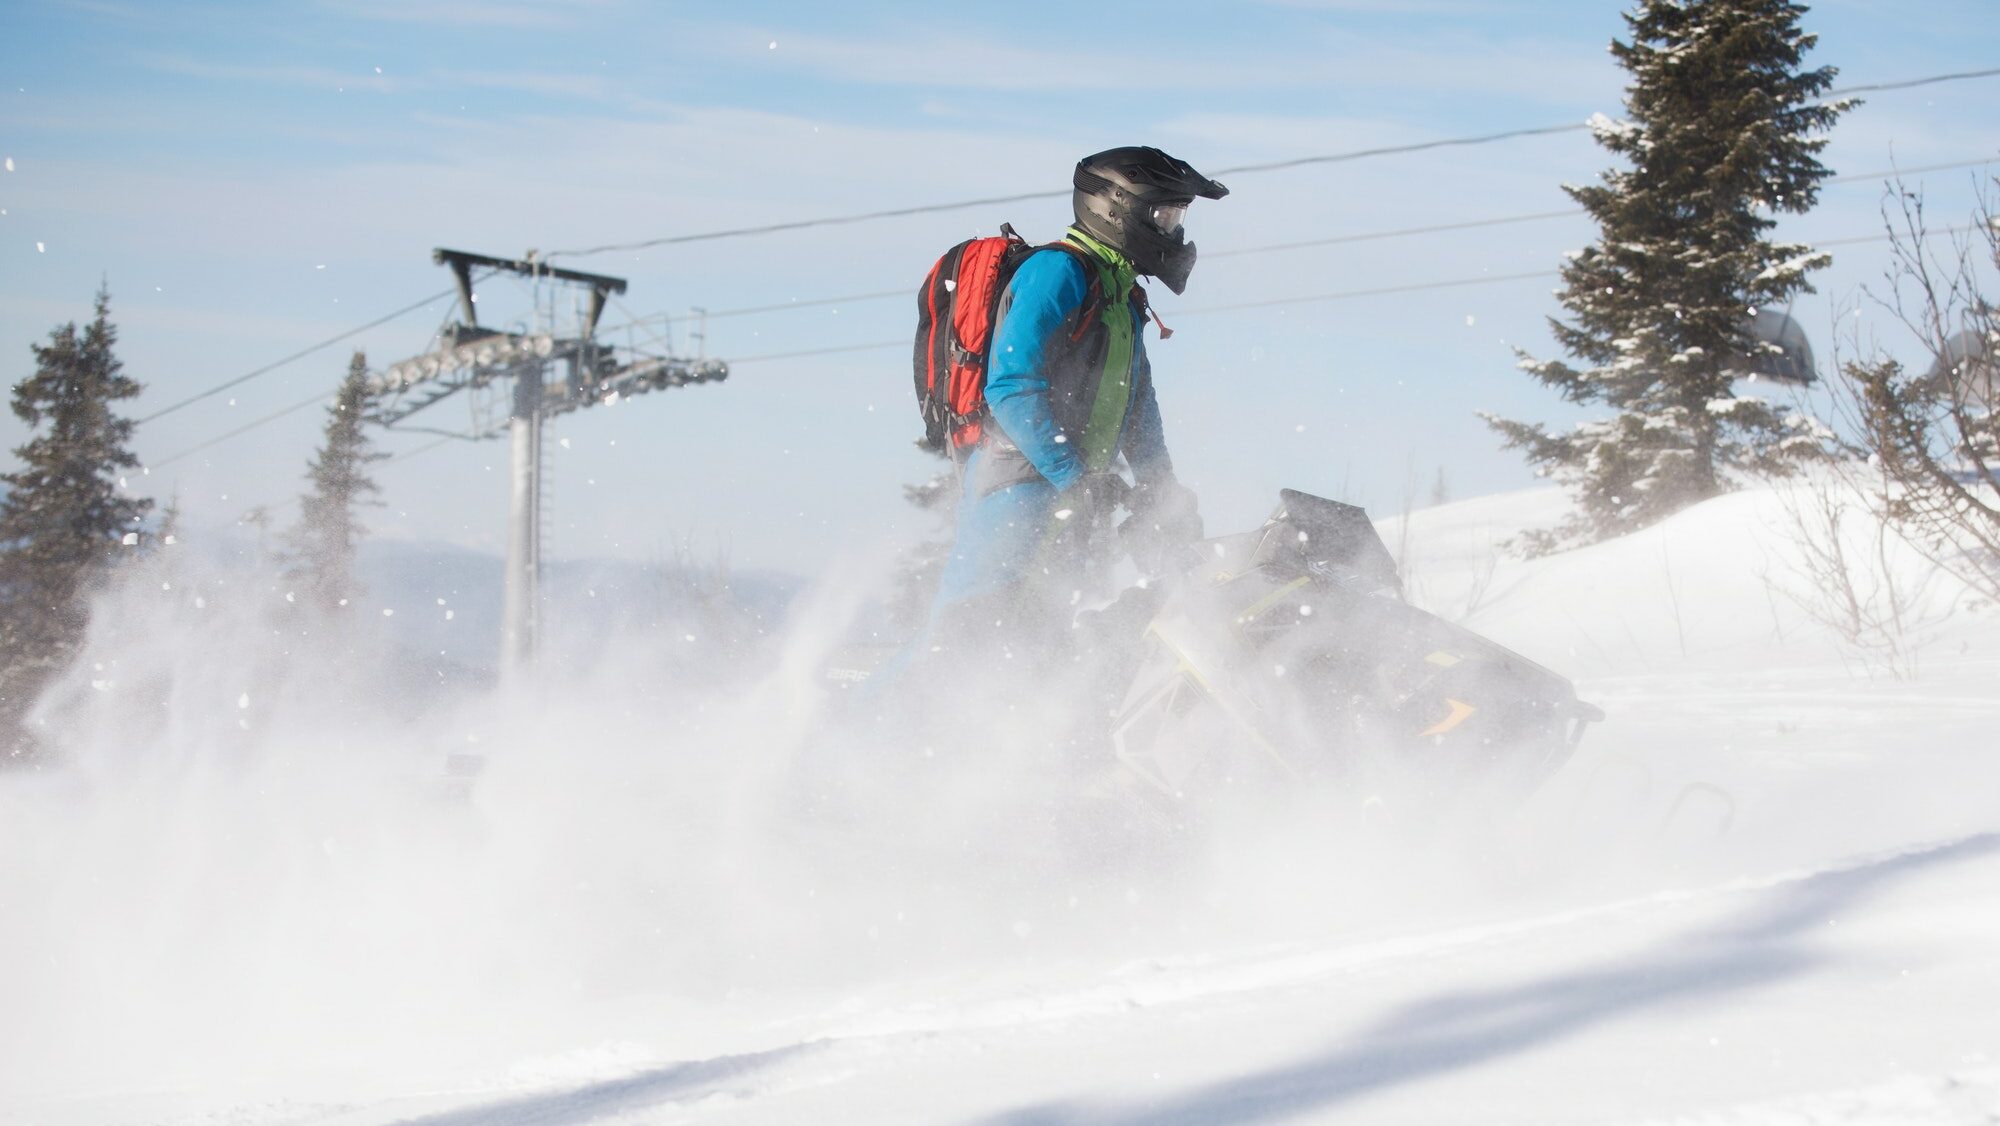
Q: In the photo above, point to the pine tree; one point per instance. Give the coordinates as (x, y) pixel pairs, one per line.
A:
(170, 521)
(65, 517)
(328, 533)
(1724, 132)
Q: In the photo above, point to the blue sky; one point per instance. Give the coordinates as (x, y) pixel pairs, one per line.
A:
(251, 178)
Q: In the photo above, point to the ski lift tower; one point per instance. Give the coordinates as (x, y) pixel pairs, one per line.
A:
(513, 381)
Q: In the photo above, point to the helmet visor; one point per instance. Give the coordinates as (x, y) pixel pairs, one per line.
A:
(1168, 218)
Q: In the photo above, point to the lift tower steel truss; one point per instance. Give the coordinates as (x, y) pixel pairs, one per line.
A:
(549, 371)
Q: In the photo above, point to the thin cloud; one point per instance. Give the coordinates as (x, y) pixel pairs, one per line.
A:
(113, 10)
(462, 13)
(545, 84)
(968, 63)
(587, 87)
(1549, 71)
(1387, 7)
(1334, 59)
(312, 77)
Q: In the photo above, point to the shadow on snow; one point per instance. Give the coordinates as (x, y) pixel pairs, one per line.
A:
(1461, 1030)
(677, 1082)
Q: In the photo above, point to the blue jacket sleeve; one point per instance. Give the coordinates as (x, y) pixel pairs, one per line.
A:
(1145, 439)
(1047, 288)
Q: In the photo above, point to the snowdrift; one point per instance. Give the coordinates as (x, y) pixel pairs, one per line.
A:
(252, 894)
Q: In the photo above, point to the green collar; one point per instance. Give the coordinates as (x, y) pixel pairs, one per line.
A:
(1111, 255)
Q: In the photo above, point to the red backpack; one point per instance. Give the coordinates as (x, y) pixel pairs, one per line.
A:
(956, 310)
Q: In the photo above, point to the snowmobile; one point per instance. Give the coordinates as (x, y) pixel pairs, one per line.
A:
(1288, 651)
(1286, 655)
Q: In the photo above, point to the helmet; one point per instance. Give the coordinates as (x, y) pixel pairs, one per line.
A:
(1133, 198)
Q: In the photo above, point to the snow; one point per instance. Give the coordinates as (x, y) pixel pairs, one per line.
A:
(1802, 261)
(1730, 404)
(609, 932)
(1607, 129)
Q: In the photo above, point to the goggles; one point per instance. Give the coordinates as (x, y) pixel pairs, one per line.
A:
(1168, 218)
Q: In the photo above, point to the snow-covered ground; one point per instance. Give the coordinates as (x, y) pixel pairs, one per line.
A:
(258, 906)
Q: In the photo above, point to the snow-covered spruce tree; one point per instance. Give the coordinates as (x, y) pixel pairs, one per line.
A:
(65, 516)
(329, 530)
(1724, 130)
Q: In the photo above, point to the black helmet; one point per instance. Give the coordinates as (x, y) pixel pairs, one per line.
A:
(1133, 199)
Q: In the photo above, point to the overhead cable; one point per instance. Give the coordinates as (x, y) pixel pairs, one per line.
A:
(1241, 169)
(879, 345)
(1335, 240)
(1339, 295)
(298, 355)
(274, 416)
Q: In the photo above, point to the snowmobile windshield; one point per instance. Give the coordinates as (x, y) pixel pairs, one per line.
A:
(1169, 218)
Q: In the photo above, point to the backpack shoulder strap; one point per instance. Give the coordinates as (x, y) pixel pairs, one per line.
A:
(1094, 297)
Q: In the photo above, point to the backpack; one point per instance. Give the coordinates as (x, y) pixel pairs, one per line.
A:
(956, 310)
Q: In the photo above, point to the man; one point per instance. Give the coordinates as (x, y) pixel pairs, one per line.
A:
(1070, 391)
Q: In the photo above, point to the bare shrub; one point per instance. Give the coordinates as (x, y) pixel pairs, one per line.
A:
(1844, 571)
(1929, 436)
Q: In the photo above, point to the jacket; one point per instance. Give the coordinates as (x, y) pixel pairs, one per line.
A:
(1043, 385)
